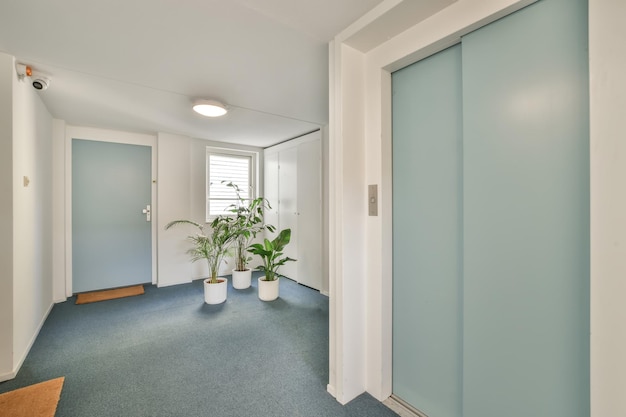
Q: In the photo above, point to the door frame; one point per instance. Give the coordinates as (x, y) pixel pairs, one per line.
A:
(112, 136)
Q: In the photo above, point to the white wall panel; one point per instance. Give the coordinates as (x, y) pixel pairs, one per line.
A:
(26, 185)
(6, 216)
(32, 220)
(607, 60)
(174, 203)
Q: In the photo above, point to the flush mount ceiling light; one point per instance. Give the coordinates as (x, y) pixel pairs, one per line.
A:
(209, 108)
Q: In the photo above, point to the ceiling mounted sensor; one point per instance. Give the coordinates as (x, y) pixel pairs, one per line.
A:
(209, 108)
(39, 80)
(23, 70)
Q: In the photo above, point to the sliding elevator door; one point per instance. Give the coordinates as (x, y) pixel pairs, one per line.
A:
(526, 214)
(491, 220)
(427, 133)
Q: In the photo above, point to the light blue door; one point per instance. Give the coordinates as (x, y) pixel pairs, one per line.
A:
(111, 237)
(427, 200)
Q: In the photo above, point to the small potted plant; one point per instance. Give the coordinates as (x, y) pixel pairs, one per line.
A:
(271, 252)
(211, 247)
(245, 222)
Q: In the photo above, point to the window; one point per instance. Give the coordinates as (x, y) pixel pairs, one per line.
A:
(224, 166)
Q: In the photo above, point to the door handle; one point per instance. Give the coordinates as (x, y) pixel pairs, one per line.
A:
(146, 211)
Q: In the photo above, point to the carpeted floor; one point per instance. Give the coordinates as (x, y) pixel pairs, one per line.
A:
(169, 354)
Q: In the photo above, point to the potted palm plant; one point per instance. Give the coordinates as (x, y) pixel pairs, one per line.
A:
(211, 247)
(271, 252)
(245, 222)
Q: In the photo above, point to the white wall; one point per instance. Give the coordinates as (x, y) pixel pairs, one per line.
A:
(325, 221)
(32, 216)
(347, 234)
(174, 202)
(608, 207)
(6, 217)
(58, 210)
(182, 195)
(26, 260)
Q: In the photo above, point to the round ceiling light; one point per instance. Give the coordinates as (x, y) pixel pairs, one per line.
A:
(209, 108)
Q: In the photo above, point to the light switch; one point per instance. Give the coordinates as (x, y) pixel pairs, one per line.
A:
(372, 199)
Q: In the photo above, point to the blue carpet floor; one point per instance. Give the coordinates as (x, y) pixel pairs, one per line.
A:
(166, 353)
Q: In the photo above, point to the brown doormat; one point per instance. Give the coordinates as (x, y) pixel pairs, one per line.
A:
(95, 296)
(39, 400)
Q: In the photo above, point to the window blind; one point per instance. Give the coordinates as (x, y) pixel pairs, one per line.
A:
(221, 170)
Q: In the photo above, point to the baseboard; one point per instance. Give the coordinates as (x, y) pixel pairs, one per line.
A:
(331, 390)
(19, 363)
(8, 376)
(171, 283)
(402, 408)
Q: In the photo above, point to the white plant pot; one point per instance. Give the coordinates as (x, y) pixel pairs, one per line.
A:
(268, 290)
(242, 279)
(215, 293)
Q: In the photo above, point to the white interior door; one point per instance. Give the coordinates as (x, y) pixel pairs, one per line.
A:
(288, 206)
(271, 190)
(310, 214)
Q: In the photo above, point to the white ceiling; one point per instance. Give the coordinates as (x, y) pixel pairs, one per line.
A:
(137, 65)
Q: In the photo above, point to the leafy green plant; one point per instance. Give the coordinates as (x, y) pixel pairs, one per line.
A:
(271, 252)
(212, 247)
(244, 224)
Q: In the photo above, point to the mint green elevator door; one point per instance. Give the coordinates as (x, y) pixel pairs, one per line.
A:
(526, 214)
(491, 220)
(111, 237)
(427, 198)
